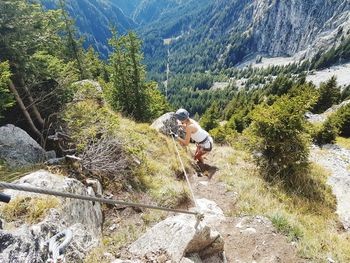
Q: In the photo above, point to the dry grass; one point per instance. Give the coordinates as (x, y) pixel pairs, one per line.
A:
(309, 219)
(10, 175)
(29, 209)
(159, 167)
(343, 142)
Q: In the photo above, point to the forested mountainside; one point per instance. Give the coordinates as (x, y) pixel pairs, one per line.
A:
(227, 32)
(94, 19)
(59, 99)
(212, 35)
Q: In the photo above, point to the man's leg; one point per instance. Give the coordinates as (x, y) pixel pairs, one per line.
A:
(198, 156)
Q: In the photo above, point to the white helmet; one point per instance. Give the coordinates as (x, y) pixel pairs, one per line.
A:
(182, 114)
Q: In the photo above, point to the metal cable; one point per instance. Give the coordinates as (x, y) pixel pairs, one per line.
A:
(184, 170)
(87, 198)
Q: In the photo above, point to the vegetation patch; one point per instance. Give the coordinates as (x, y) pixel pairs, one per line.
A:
(306, 214)
(343, 142)
(29, 209)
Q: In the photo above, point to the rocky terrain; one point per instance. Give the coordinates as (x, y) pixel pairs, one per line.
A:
(337, 161)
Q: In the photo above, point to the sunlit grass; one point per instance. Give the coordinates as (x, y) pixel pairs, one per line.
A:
(159, 164)
(10, 175)
(308, 219)
(29, 209)
(343, 142)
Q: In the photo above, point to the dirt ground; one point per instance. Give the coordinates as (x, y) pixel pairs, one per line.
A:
(247, 239)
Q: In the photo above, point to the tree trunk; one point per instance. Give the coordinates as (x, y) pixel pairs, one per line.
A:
(34, 108)
(25, 112)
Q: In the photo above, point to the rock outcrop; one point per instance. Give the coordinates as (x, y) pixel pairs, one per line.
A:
(185, 238)
(18, 149)
(319, 118)
(27, 243)
(167, 123)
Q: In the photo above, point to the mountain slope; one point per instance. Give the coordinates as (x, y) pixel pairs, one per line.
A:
(94, 18)
(228, 31)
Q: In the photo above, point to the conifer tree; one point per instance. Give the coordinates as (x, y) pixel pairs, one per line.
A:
(74, 49)
(329, 95)
(209, 119)
(130, 93)
(6, 100)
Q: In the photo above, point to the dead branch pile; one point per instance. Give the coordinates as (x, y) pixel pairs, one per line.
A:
(105, 156)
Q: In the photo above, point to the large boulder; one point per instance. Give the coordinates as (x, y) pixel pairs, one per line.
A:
(185, 238)
(27, 243)
(167, 123)
(18, 149)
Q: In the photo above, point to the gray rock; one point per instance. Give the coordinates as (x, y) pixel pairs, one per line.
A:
(56, 161)
(18, 149)
(337, 161)
(27, 243)
(126, 261)
(167, 123)
(320, 118)
(182, 235)
(50, 155)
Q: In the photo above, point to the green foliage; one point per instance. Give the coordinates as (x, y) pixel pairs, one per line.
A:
(6, 100)
(333, 56)
(283, 226)
(279, 86)
(325, 133)
(87, 118)
(33, 42)
(25, 29)
(341, 118)
(329, 95)
(223, 134)
(130, 93)
(198, 101)
(210, 118)
(94, 67)
(157, 103)
(345, 94)
(279, 134)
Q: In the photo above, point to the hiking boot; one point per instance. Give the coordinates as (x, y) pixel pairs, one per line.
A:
(210, 171)
(199, 175)
(203, 167)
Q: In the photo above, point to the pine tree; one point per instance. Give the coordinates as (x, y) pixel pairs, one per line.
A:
(6, 100)
(209, 119)
(130, 93)
(329, 95)
(74, 48)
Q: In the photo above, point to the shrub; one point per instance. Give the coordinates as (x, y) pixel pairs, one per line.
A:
(279, 134)
(342, 119)
(329, 95)
(326, 133)
(223, 134)
(6, 99)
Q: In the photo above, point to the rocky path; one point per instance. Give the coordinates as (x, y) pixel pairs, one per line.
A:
(337, 161)
(247, 238)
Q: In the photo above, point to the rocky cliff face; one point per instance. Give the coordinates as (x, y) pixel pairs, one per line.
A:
(277, 28)
(287, 27)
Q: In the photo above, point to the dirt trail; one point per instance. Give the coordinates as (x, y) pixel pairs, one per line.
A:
(247, 239)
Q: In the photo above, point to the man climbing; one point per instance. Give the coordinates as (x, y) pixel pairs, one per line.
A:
(201, 137)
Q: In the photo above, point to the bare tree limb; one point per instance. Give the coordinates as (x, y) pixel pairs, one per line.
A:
(25, 112)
